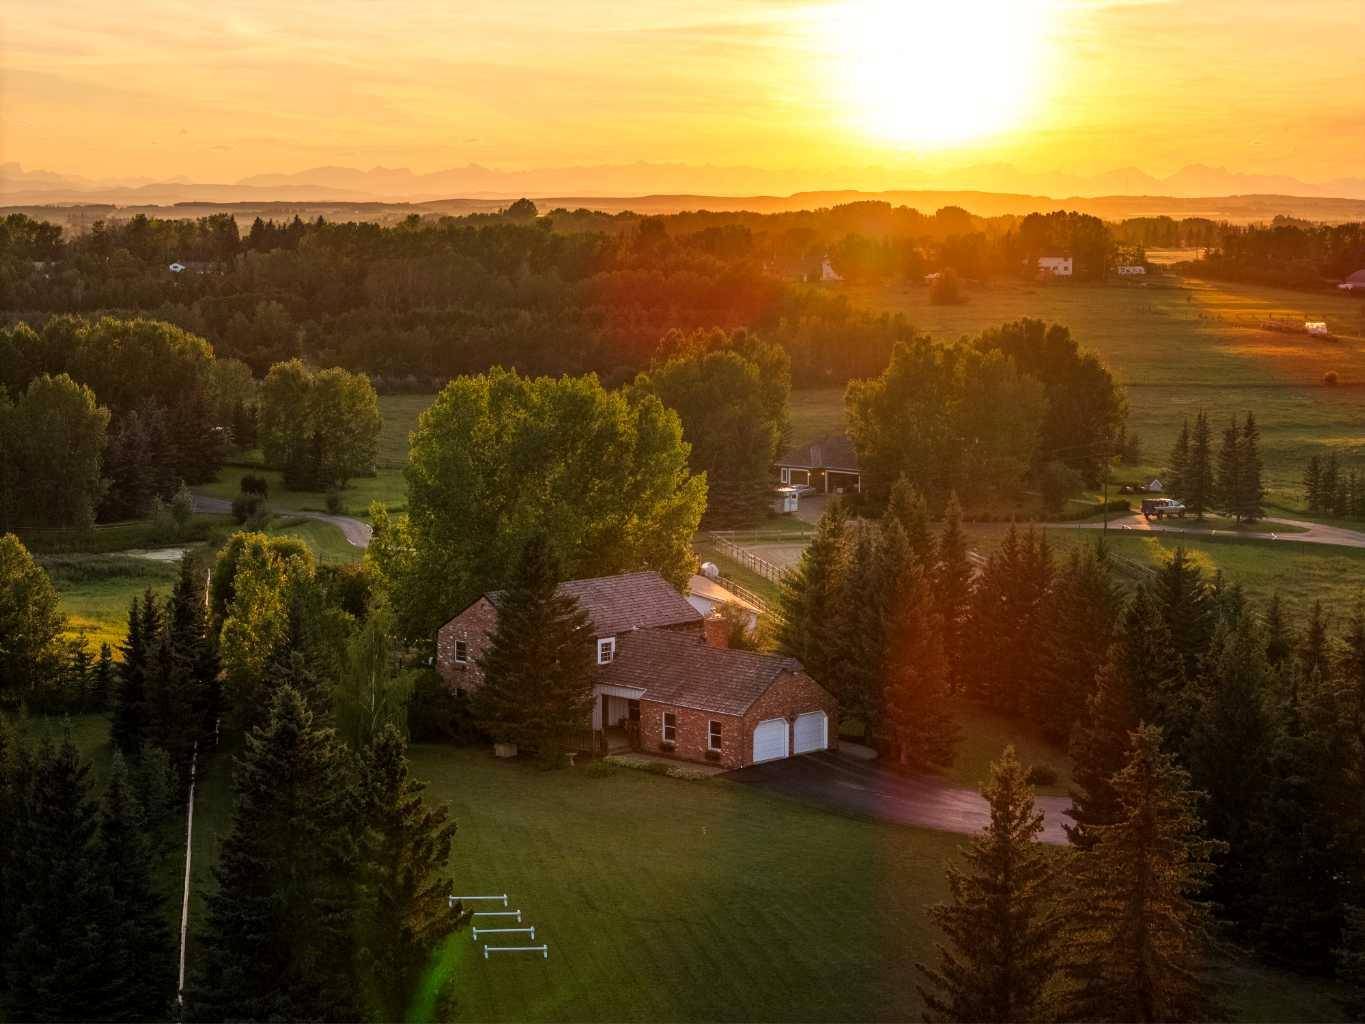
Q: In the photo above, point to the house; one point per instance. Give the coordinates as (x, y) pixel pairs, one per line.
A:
(1354, 283)
(658, 686)
(1131, 270)
(827, 271)
(1055, 266)
(193, 266)
(1318, 328)
(829, 465)
(1154, 486)
(707, 596)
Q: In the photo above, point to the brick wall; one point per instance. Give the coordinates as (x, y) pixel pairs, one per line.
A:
(790, 695)
(475, 626)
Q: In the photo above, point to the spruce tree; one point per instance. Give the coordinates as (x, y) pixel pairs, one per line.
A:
(1313, 646)
(54, 964)
(1329, 485)
(856, 672)
(406, 911)
(279, 939)
(1177, 474)
(908, 507)
(1000, 949)
(1312, 484)
(1184, 602)
(1098, 750)
(952, 589)
(1153, 665)
(1199, 484)
(138, 953)
(103, 679)
(1251, 488)
(1139, 939)
(129, 728)
(538, 668)
(810, 595)
(1280, 641)
(1227, 492)
(919, 719)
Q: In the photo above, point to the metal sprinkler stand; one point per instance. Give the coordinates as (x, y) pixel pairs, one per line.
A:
(498, 913)
(452, 900)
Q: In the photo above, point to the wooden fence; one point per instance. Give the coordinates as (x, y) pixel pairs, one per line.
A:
(754, 563)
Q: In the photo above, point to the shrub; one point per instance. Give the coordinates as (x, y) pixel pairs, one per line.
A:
(437, 713)
(334, 505)
(182, 507)
(946, 290)
(1331, 379)
(245, 506)
(1042, 775)
(164, 526)
(257, 485)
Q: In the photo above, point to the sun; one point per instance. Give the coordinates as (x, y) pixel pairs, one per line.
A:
(936, 73)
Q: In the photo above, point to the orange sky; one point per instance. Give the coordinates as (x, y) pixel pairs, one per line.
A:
(214, 92)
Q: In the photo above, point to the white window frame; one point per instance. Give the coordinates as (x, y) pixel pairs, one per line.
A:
(786, 475)
(606, 650)
(715, 735)
(462, 652)
(664, 727)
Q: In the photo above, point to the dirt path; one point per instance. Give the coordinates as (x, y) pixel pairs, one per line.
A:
(356, 532)
(1305, 532)
(847, 784)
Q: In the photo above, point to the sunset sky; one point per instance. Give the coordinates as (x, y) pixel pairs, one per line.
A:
(152, 89)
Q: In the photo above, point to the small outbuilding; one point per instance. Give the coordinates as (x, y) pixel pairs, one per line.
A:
(1354, 283)
(1055, 266)
(829, 465)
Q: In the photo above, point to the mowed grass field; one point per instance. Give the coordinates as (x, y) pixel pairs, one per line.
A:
(1181, 345)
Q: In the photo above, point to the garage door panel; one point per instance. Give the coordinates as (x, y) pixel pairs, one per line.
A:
(812, 732)
(770, 740)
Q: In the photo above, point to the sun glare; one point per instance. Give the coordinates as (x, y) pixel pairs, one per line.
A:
(935, 74)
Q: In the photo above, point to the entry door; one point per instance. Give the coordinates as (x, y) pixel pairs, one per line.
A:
(770, 740)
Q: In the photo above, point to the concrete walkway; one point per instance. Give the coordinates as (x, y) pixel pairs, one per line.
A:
(358, 533)
(845, 783)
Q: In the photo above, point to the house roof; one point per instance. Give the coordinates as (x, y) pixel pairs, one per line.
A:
(632, 600)
(1357, 278)
(682, 669)
(834, 452)
(702, 586)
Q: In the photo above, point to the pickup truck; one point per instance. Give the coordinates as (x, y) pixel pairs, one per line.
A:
(1161, 508)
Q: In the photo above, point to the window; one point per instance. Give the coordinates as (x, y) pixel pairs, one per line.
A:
(670, 727)
(713, 736)
(606, 650)
(461, 652)
(786, 475)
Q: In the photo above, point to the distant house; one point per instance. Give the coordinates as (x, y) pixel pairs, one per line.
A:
(1055, 266)
(1153, 486)
(1354, 283)
(658, 685)
(827, 271)
(830, 465)
(931, 278)
(1317, 328)
(193, 266)
(707, 596)
(1132, 270)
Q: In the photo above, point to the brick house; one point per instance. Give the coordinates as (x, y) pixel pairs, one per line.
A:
(659, 686)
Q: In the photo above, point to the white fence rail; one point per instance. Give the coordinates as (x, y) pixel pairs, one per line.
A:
(745, 557)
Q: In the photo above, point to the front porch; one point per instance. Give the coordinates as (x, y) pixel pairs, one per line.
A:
(616, 719)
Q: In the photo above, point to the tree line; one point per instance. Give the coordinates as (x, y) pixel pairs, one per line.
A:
(1331, 490)
(1229, 481)
(1288, 252)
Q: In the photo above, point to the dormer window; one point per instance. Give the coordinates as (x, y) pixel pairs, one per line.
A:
(606, 650)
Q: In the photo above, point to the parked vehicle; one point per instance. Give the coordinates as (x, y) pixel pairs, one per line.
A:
(1162, 508)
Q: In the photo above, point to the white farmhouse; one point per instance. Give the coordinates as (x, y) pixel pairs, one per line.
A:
(1132, 270)
(827, 271)
(1057, 266)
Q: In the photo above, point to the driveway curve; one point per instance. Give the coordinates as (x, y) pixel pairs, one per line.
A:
(1305, 532)
(842, 783)
(356, 532)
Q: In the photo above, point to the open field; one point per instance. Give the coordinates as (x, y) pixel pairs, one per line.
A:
(1180, 345)
(400, 414)
(386, 487)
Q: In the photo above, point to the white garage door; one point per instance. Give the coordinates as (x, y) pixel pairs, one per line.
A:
(770, 740)
(812, 732)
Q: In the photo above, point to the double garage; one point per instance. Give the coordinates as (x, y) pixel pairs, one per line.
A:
(776, 738)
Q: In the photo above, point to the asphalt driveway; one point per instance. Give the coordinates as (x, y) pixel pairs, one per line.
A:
(846, 784)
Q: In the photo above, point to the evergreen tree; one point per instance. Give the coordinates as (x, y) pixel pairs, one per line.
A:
(1199, 483)
(1153, 665)
(279, 939)
(856, 672)
(1185, 603)
(1280, 642)
(1000, 929)
(1227, 490)
(138, 954)
(407, 911)
(1329, 485)
(1312, 484)
(919, 718)
(129, 728)
(952, 590)
(80, 671)
(908, 507)
(538, 676)
(1098, 751)
(1140, 941)
(1177, 474)
(1251, 488)
(195, 661)
(810, 596)
(1313, 646)
(54, 964)
(103, 679)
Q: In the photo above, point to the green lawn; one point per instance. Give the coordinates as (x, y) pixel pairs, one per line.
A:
(985, 735)
(329, 544)
(400, 414)
(96, 590)
(386, 487)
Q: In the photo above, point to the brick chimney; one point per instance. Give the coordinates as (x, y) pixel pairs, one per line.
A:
(715, 631)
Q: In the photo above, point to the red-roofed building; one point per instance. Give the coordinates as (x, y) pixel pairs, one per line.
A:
(659, 686)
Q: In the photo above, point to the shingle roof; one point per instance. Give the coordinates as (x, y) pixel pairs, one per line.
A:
(628, 601)
(834, 452)
(1357, 278)
(682, 669)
